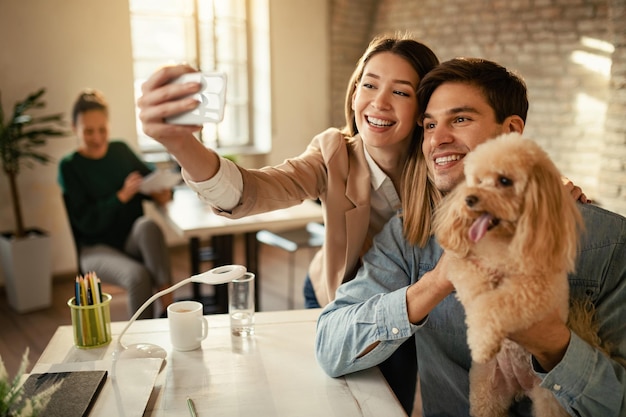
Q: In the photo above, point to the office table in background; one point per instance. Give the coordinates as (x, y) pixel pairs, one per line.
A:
(193, 219)
(273, 373)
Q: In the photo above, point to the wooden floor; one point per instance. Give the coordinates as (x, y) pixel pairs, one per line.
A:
(34, 330)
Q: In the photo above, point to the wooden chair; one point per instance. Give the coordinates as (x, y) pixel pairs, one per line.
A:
(106, 286)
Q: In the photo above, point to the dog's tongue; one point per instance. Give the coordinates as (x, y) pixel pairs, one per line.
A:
(480, 227)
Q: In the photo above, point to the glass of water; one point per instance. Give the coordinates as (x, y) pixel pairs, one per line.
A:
(241, 305)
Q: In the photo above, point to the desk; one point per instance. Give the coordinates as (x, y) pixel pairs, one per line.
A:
(191, 218)
(273, 373)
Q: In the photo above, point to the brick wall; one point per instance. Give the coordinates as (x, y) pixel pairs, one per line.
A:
(562, 48)
(612, 188)
(351, 24)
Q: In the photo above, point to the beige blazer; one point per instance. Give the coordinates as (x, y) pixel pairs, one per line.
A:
(333, 168)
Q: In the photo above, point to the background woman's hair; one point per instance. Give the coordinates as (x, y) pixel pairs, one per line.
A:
(89, 99)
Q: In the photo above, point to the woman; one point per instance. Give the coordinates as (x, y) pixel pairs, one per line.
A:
(100, 181)
(356, 172)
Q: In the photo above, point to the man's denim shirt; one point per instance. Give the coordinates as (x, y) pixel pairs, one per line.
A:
(372, 308)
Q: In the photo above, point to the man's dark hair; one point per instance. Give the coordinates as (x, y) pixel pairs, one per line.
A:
(504, 91)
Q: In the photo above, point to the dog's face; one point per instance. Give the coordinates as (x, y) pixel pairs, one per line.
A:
(493, 195)
(512, 197)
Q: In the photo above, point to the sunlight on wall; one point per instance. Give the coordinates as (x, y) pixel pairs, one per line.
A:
(590, 117)
(594, 56)
(591, 113)
(591, 110)
(598, 44)
(598, 60)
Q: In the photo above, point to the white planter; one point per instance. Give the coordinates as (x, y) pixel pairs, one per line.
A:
(27, 266)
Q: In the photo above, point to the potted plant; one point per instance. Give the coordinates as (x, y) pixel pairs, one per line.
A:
(12, 400)
(25, 253)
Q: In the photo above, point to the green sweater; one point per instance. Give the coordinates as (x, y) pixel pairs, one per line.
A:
(89, 189)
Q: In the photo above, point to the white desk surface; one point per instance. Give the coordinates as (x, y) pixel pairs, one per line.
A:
(273, 373)
(189, 216)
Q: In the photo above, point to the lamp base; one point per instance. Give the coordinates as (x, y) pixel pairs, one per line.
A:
(141, 350)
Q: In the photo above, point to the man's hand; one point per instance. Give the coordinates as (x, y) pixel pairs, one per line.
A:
(426, 293)
(547, 340)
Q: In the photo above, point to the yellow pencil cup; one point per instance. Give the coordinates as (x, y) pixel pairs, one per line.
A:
(91, 324)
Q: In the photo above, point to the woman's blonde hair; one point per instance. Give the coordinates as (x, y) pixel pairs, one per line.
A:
(419, 199)
(417, 192)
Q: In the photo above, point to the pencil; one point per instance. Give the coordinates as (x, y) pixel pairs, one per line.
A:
(87, 334)
(97, 301)
(99, 288)
(100, 300)
(93, 312)
(192, 407)
(77, 292)
(83, 293)
(80, 334)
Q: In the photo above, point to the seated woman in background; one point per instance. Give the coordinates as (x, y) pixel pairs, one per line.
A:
(100, 182)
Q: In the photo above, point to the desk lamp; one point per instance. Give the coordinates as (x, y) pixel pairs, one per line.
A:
(219, 275)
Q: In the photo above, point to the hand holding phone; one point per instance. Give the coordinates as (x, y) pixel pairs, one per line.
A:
(211, 99)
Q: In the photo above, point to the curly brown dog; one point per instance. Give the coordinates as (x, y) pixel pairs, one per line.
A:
(512, 231)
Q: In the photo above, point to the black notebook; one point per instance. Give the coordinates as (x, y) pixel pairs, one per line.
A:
(75, 395)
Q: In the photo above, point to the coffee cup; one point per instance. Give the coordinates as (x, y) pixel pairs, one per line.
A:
(188, 327)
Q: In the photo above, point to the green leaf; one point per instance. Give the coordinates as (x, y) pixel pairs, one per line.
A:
(20, 134)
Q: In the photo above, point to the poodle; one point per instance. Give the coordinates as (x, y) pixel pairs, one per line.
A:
(511, 231)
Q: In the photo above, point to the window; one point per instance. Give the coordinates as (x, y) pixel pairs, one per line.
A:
(208, 34)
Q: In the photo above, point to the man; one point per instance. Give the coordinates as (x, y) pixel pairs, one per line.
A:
(402, 290)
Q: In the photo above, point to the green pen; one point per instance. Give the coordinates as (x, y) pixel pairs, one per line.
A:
(192, 408)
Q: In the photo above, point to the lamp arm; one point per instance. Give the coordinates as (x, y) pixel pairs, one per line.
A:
(145, 305)
(219, 275)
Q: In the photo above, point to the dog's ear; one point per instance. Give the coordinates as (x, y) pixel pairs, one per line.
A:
(548, 229)
(449, 225)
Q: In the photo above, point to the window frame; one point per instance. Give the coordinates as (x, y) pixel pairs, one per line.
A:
(239, 66)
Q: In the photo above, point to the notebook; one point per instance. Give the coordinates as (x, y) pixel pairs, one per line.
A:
(74, 397)
(128, 387)
(159, 180)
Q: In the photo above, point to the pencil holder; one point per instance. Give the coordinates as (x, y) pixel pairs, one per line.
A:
(91, 324)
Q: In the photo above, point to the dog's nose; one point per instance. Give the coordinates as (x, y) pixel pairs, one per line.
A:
(470, 200)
